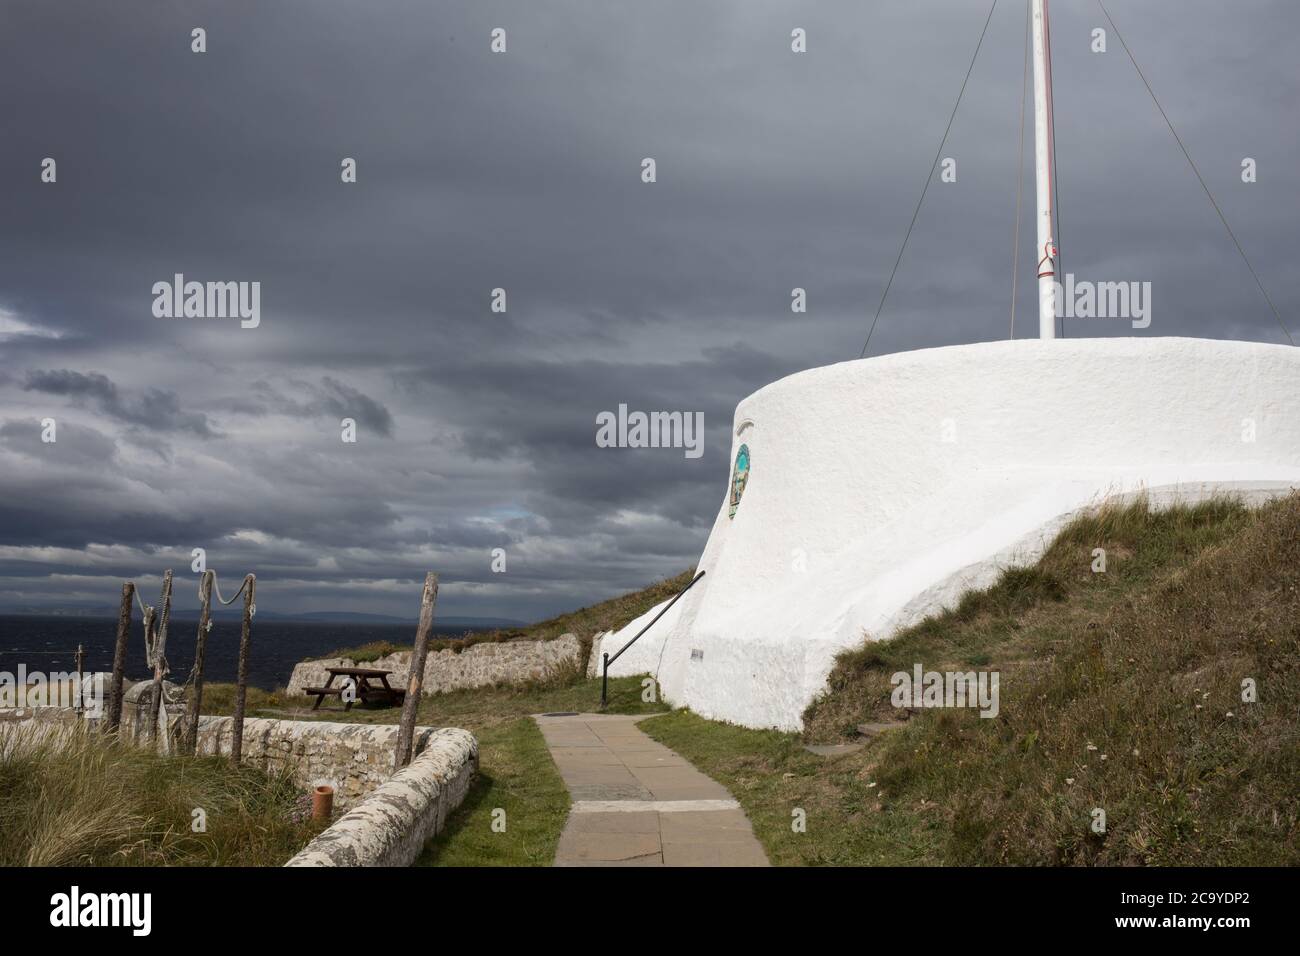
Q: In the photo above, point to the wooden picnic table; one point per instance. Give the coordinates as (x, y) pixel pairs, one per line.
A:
(366, 691)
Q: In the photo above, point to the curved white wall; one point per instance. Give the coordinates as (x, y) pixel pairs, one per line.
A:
(905, 479)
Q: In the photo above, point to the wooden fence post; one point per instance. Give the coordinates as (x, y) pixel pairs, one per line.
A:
(406, 735)
(200, 645)
(159, 644)
(81, 693)
(241, 687)
(119, 658)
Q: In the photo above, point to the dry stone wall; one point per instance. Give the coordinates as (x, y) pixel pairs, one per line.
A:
(352, 758)
(391, 826)
(479, 665)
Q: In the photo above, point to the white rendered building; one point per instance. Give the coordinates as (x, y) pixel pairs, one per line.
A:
(879, 490)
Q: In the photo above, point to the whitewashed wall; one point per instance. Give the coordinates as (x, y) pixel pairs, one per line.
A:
(851, 469)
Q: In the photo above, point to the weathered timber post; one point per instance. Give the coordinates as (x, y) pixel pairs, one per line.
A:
(241, 686)
(81, 696)
(200, 645)
(420, 653)
(143, 722)
(159, 645)
(119, 657)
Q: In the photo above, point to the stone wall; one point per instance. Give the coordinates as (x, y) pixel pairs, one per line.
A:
(355, 759)
(391, 826)
(352, 758)
(479, 665)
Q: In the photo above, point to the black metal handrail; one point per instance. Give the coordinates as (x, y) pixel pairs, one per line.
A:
(604, 680)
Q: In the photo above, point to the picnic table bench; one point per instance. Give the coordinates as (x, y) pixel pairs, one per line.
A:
(366, 692)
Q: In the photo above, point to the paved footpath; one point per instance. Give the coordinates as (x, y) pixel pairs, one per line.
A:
(637, 803)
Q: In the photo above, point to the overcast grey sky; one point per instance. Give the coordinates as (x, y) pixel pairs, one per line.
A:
(522, 170)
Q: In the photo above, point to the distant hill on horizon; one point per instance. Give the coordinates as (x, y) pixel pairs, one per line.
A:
(306, 617)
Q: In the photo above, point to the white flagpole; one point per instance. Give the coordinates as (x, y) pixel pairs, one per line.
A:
(1045, 253)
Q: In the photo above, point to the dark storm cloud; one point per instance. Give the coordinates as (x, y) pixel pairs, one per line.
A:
(476, 171)
(82, 446)
(331, 397)
(153, 409)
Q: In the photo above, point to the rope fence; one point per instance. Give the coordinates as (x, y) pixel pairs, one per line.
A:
(156, 620)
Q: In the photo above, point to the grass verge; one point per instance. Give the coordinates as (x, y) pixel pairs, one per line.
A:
(78, 798)
(515, 810)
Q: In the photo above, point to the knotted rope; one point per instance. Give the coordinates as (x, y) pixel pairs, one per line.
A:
(154, 650)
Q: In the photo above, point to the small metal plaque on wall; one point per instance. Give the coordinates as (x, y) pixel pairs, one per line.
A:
(739, 478)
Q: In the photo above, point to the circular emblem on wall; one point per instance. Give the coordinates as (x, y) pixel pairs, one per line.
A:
(739, 478)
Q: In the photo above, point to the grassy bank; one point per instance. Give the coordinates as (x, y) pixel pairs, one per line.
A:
(1120, 691)
(584, 622)
(81, 799)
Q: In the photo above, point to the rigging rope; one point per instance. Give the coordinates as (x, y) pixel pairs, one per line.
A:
(1020, 173)
(929, 178)
(148, 612)
(39, 650)
(250, 582)
(1231, 235)
(217, 588)
(1051, 139)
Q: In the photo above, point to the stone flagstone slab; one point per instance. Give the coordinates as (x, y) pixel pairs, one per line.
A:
(637, 803)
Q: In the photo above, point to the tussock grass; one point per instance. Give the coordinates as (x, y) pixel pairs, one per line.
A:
(1120, 691)
(70, 796)
(1030, 612)
(366, 653)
